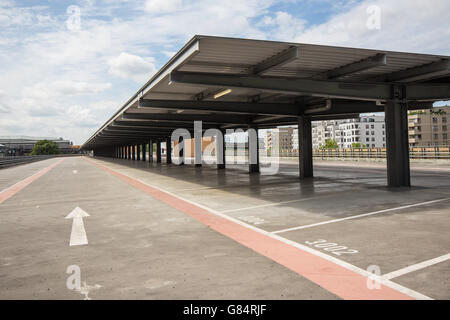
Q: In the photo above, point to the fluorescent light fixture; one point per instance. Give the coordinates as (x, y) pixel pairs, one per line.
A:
(222, 93)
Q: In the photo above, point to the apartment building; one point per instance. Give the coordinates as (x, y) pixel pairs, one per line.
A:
(429, 128)
(285, 136)
(368, 131)
(325, 130)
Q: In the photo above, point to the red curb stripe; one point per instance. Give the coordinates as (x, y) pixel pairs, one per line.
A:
(334, 278)
(9, 192)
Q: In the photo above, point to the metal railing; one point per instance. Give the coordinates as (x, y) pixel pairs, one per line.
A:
(373, 153)
(15, 160)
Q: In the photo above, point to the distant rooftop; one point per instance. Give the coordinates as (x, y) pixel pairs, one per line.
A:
(29, 138)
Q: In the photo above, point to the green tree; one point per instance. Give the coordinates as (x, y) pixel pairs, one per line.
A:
(330, 144)
(45, 147)
(356, 145)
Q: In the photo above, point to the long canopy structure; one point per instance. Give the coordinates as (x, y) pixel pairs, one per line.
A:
(241, 83)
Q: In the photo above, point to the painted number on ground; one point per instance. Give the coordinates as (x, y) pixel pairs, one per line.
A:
(253, 219)
(331, 247)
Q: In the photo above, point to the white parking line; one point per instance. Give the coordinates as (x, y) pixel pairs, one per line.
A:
(415, 267)
(358, 216)
(286, 202)
(268, 205)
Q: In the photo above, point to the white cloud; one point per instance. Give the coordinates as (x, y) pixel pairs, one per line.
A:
(130, 66)
(44, 90)
(406, 25)
(283, 25)
(4, 107)
(169, 54)
(162, 6)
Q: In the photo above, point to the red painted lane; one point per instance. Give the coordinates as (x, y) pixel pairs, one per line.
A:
(9, 192)
(334, 278)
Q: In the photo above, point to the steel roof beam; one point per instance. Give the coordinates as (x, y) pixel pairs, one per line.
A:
(223, 106)
(189, 126)
(428, 92)
(276, 61)
(424, 72)
(154, 125)
(155, 117)
(135, 132)
(269, 109)
(321, 88)
(377, 60)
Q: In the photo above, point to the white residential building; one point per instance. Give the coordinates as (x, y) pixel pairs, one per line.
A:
(368, 130)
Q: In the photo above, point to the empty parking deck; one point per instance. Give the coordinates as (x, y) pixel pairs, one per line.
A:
(162, 231)
(229, 83)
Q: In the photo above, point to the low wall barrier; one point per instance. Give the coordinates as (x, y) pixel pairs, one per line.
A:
(12, 161)
(373, 153)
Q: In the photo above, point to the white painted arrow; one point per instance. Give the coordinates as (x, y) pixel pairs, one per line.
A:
(78, 235)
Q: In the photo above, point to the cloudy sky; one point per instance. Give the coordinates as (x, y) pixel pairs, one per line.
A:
(62, 76)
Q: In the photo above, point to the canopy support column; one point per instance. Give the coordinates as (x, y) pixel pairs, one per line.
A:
(253, 149)
(197, 145)
(221, 150)
(169, 150)
(397, 148)
(150, 151)
(305, 147)
(180, 147)
(158, 152)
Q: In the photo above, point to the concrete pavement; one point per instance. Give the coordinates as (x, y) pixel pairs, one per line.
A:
(142, 246)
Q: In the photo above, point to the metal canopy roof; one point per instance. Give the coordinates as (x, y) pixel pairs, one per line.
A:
(271, 83)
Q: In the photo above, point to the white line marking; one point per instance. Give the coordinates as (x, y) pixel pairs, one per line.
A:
(358, 216)
(267, 205)
(415, 267)
(284, 202)
(78, 235)
(365, 273)
(12, 186)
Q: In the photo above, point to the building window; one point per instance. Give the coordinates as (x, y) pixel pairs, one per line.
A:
(435, 128)
(444, 128)
(372, 126)
(435, 136)
(373, 133)
(367, 139)
(373, 139)
(444, 136)
(435, 120)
